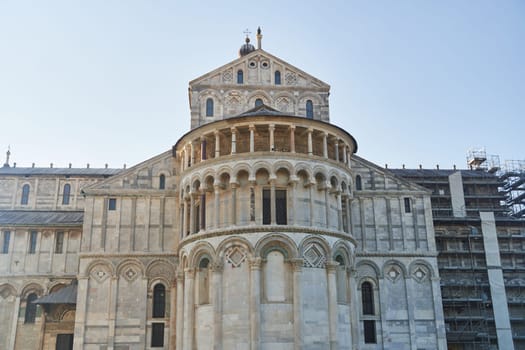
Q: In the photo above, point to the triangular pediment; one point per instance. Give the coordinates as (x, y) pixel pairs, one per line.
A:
(141, 177)
(262, 110)
(259, 59)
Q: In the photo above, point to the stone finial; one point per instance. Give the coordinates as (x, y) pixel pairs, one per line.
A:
(259, 38)
(106, 165)
(437, 166)
(7, 155)
(70, 165)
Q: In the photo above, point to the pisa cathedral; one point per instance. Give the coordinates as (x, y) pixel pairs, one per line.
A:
(260, 229)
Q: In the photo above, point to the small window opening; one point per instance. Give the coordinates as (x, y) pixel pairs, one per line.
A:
(309, 109)
(157, 335)
(277, 78)
(370, 331)
(66, 194)
(112, 204)
(25, 195)
(240, 77)
(5, 244)
(367, 298)
(258, 102)
(59, 243)
(32, 242)
(159, 301)
(30, 314)
(209, 107)
(408, 209)
(358, 183)
(162, 182)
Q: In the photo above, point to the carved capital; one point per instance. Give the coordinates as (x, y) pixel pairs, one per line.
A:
(331, 266)
(217, 266)
(297, 264)
(255, 263)
(189, 273)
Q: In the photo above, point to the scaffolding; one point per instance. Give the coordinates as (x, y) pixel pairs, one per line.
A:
(514, 177)
(465, 291)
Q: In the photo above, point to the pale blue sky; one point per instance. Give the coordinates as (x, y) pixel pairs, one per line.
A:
(415, 82)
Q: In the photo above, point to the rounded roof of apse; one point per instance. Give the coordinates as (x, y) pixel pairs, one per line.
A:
(263, 114)
(246, 48)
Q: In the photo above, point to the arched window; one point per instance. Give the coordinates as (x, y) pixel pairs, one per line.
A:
(358, 184)
(209, 107)
(258, 102)
(159, 301)
(277, 77)
(162, 182)
(203, 282)
(367, 298)
(309, 109)
(240, 77)
(30, 309)
(66, 194)
(25, 194)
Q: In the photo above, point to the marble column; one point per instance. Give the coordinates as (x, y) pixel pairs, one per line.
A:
(184, 218)
(180, 310)
(336, 146)
(252, 202)
(271, 128)
(14, 322)
(217, 144)
(233, 211)
(192, 213)
(234, 141)
(192, 148)
(297, 304)
(292, 138)
(255, 303)
(203, 148)
(216, 301)
(310, 146)
(189, 309)
(202, 214)
(327, 204)
(339, 211)
(325, 145)
(252, 138)
(291, 208)
(272, 202)
(331, 267)
(216, 188)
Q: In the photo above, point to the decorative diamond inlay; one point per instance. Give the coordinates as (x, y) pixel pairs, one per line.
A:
(99, 275)
(130, 273)
(314, 256)
(393, 273)
(419, 274)
(235, 256)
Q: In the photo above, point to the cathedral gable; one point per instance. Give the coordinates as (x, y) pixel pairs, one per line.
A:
(152, 174)
(253, 79)
(374, 177)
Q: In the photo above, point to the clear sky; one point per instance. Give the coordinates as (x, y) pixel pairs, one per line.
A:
(415, 82)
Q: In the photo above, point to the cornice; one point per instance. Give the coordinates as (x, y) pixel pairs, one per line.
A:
(397, 254)
(130, 192)
(127, 255)
(265, 229)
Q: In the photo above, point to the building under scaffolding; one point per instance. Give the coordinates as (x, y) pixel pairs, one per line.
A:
(480, 237)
